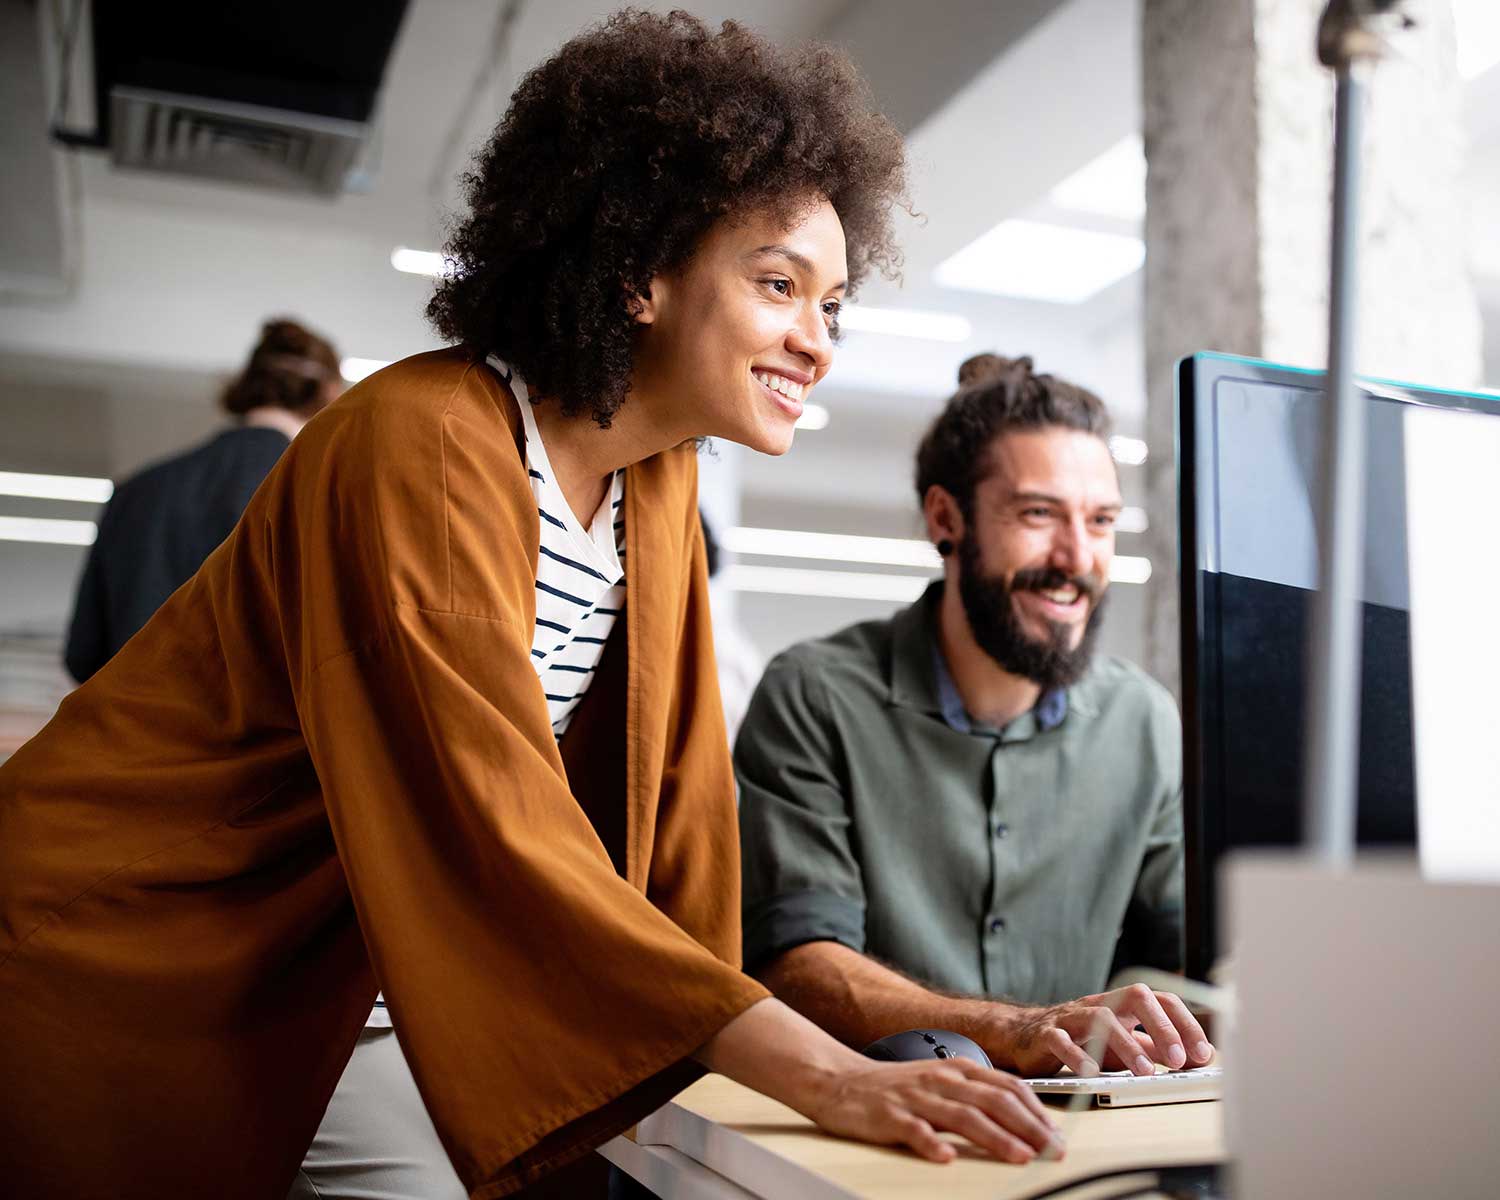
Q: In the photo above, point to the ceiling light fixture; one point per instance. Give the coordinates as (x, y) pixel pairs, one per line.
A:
(858, 585)
(51, 532)
(355, 369)
(832, 547)
(1129, 568)
(894, 552)
(1113, 185)
(814, 416)
(1033, 261)
(1132, 520)
(82, 488)
(1128, 451)
(1477, 24)
(418, 262)
(841, 585)
(907, 323)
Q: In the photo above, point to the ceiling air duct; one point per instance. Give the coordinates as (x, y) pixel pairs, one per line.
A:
(280, 94)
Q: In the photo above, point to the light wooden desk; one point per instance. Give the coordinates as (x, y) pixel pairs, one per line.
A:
(720, 1141)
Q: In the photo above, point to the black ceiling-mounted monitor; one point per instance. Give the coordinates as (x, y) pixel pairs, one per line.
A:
(1248, 467)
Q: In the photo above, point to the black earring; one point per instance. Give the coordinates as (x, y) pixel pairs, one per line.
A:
(945, 547)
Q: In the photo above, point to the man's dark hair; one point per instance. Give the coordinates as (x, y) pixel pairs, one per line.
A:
(289, 368)
(614, 159)
(997, 395)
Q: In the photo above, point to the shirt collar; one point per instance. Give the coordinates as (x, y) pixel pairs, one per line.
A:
(920, 678)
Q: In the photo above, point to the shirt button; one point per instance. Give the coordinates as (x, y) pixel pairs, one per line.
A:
(1002, 830)
(997, 924)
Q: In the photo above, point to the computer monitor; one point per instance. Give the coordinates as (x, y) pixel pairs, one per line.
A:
(1249, 434)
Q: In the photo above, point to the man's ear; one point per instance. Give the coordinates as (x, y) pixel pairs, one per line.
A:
(945, 522)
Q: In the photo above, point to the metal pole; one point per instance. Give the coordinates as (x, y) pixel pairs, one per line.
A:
(1349, 40)
(1331, 771)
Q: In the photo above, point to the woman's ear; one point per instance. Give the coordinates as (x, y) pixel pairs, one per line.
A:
(646, 305)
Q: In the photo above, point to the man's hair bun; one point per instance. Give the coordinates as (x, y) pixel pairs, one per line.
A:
(998, 395)
(991, 368)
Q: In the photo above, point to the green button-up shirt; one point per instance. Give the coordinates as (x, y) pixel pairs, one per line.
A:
(1020, 862)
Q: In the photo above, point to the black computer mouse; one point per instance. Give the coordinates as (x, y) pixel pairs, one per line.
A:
(918, 1045)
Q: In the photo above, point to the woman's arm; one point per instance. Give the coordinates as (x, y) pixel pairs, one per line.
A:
(782, 1054)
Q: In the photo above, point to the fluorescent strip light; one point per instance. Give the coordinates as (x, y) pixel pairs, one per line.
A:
(1113, 185)
(907, 323)
(37, 529)
(1033, 261)
(843, 585)
(858, 585)
(1128, 450)
(895, 552)
(1477, 24)
(355, 369)
(56, 487)
(831, 547)
(418, 262)
(1132, 520)
(1129, 568)
(814, 416)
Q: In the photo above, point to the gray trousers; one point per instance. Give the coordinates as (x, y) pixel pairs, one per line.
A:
(376, 1141)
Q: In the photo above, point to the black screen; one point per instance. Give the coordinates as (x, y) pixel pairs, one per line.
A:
(1248, 475)
(1252, 762)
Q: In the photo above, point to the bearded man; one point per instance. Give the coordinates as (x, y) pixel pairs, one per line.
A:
(960, 817)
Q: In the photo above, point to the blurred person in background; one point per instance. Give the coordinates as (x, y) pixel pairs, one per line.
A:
(439, 720)
(162, 523)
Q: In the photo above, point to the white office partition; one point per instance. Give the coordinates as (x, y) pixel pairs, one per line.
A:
(1453, 539)
(1363, 1054)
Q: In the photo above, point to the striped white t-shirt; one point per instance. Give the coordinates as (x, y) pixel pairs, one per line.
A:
(580, 578)
(580, 586)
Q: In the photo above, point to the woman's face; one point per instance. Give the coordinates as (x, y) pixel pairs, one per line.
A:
(733, 343)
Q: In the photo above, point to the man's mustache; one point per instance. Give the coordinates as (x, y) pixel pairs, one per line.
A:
(1046, 579)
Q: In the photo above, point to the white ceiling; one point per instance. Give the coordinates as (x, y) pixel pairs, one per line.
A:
(1000, 102)
(178, 275)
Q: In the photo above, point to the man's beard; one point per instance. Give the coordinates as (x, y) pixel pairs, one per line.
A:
(997, 628)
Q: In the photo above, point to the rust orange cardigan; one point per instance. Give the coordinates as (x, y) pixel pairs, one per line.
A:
(326, 765)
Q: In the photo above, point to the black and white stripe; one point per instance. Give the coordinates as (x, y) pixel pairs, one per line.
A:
(580, 575)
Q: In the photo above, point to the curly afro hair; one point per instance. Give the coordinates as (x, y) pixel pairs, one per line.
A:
(614, 159)
(997, 395)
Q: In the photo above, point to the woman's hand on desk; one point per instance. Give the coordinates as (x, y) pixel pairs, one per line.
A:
(911, 1103)
(778, 1052)
(1099, 1032)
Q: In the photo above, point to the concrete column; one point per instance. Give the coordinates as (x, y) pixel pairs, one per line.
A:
(1238, 118)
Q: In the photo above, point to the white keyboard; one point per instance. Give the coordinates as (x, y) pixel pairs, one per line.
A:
(1120, 1089)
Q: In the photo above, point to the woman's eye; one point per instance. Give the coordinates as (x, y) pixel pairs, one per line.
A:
(782, 287)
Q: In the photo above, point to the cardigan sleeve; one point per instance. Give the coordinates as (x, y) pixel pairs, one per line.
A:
(543, 1002)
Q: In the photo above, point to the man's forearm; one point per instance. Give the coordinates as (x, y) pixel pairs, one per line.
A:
(858, 1000)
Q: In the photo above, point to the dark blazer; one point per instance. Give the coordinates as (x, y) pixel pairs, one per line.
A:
(156, 531)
